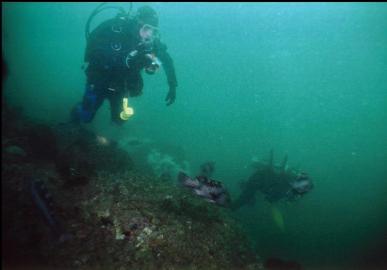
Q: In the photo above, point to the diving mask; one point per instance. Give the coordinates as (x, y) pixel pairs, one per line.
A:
(149, 33)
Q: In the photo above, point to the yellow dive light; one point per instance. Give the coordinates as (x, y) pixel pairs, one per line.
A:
(127, 112)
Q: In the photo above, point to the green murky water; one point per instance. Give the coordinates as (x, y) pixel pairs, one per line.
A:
(309, 80)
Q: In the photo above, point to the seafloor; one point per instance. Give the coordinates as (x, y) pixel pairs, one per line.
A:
(116, 217)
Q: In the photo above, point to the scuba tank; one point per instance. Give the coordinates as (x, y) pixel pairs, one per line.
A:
(102, 7)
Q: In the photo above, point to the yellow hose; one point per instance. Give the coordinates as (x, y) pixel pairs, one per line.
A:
(127, 111)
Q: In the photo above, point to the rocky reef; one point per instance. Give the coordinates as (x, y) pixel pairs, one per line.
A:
(116, 217)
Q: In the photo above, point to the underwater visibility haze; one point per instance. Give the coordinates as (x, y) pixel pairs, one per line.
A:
(302, 84)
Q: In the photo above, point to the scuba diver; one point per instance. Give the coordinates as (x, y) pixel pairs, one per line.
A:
(274, 182)
(116, 53)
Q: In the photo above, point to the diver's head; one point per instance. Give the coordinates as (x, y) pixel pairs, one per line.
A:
(148, 22)
(302, 184)
(147, 15)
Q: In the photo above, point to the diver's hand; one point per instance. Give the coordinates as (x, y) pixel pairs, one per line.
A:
(171, 96)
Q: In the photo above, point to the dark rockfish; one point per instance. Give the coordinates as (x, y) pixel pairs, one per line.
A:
(43, 201)
(211, 190)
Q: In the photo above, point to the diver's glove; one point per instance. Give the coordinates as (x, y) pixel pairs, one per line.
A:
(171, 96)
(152, 64)
(143, 49)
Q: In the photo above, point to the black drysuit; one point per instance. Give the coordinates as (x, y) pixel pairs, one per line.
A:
(109, 72)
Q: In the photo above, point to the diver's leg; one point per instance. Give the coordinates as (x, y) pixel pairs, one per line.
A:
(84, 112)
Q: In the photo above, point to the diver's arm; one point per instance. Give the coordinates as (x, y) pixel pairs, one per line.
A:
(169, 69)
